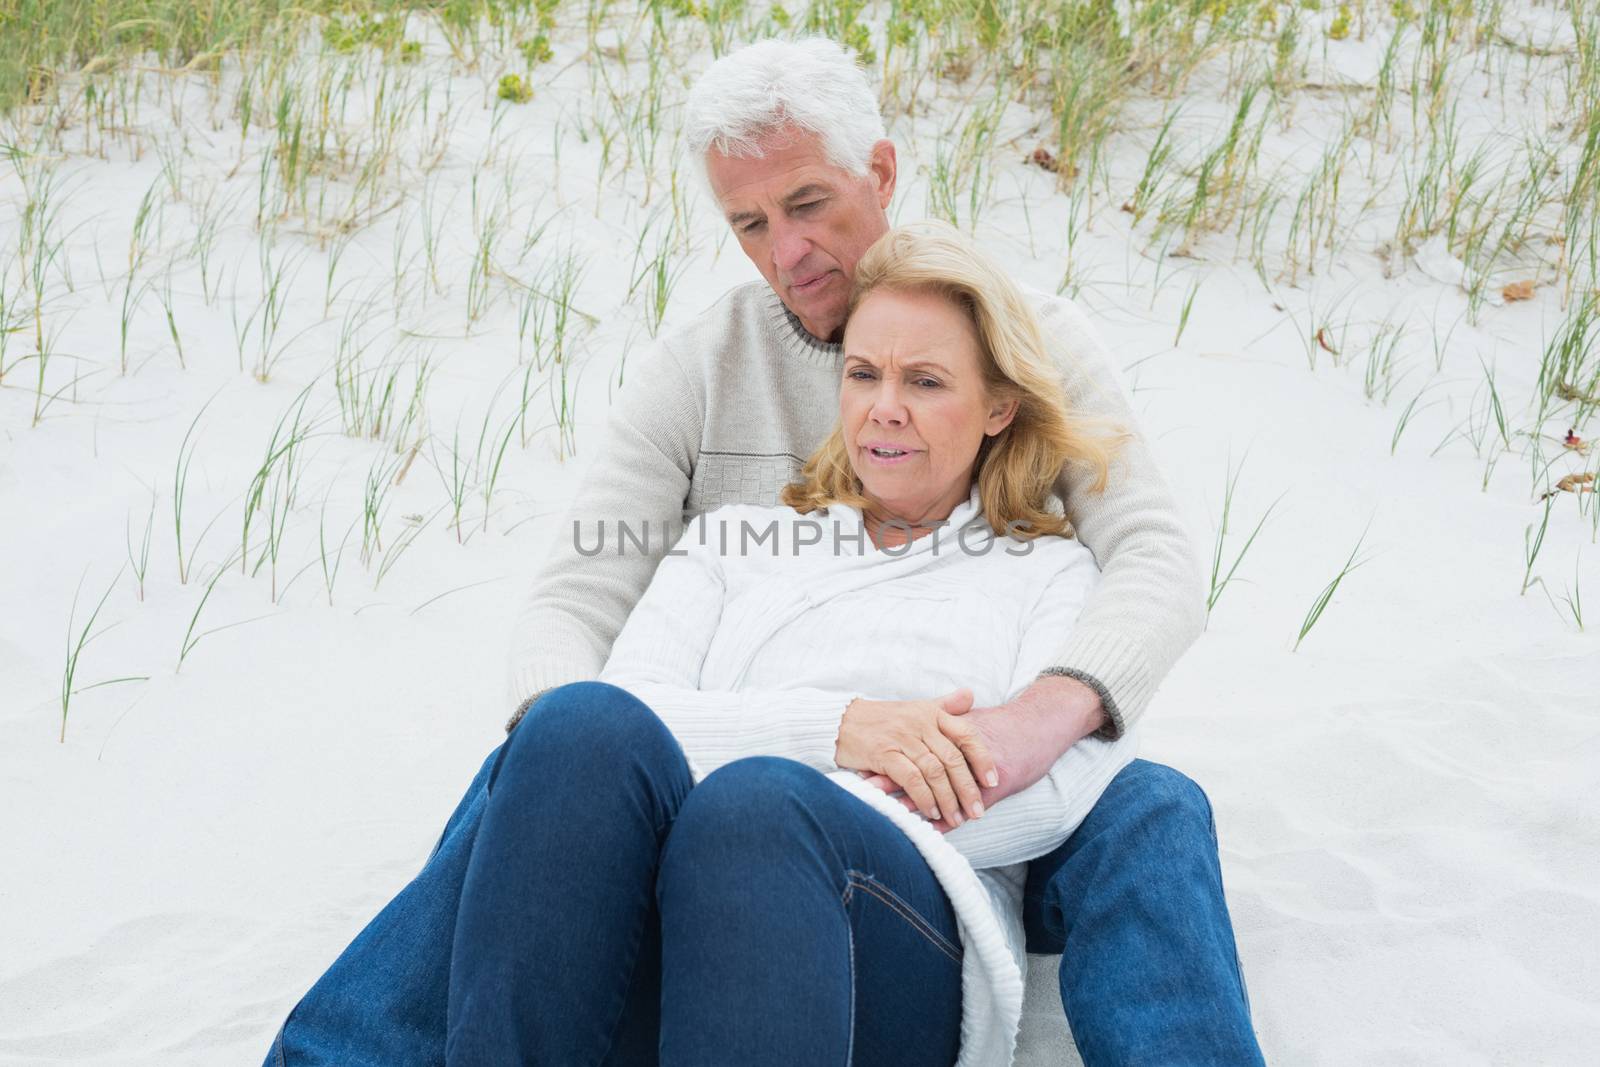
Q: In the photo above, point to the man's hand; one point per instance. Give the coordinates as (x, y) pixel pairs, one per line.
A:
(1025, 737)
(924, 748)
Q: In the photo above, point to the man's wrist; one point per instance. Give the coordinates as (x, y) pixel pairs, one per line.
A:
(1072, 708)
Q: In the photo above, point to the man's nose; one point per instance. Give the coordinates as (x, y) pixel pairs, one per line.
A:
(789, 247)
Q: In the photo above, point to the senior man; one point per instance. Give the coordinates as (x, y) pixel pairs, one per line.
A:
(723, 412)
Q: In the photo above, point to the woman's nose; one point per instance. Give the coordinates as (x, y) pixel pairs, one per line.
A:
(887, 406)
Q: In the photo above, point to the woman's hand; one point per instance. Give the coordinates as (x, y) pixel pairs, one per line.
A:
(924, 747)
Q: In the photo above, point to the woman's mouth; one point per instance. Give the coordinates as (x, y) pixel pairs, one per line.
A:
(884, 454)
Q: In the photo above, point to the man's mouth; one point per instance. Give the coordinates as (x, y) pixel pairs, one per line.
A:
(811, 284)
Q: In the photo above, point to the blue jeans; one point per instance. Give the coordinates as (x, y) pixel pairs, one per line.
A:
(1133, 901)
(587, 905)
(1133, 904)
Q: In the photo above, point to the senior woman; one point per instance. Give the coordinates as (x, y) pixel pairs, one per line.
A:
(680, 863)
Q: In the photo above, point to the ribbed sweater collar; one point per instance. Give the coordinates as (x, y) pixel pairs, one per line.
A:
(796, 339)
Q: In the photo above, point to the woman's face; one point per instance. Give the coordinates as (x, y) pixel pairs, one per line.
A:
(912, 405)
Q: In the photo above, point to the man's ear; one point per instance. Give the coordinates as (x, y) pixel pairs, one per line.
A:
(881, 168)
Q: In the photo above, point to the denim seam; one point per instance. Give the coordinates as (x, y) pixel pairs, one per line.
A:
(850, 940)
(898, 905)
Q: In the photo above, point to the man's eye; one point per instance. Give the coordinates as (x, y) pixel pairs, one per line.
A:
(861, 375)
(752, 227)
(806, 205)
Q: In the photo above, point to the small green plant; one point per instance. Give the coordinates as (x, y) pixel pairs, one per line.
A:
(456, 479)
(1340, 28)
(76, 645)
(1573, 597)
(514, 89)
(169, 306)
(273, 487)
(180, 485)
(190, 638)
(140, 560)
(536, 50)
(374, 505)
(330, 566)
(1533, 541)
(1219, 580)
(1183, 314)
(1325, 597)
(1378, 379)
(346, 33)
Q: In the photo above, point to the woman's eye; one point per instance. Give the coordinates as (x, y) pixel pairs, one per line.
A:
(928, 383)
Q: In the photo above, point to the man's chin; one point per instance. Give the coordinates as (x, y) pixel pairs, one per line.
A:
(822, 318)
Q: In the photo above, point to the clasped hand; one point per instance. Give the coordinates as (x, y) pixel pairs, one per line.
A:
(925, 747)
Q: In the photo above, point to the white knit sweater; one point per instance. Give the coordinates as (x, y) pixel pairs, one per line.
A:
(726, 409)
(762, 625)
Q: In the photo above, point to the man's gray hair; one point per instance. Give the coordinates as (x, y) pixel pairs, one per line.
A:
(810, 84)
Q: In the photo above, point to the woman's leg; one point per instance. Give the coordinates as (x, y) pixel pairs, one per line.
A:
(556, 957)
(382, 1002)
(798, 925)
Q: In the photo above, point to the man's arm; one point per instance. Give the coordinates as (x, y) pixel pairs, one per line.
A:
(1149, 606)
(581, 598)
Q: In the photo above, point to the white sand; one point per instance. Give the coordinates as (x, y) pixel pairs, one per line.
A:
(1405, 804)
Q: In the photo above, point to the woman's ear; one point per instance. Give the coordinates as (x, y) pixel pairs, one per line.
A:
(1000, 415)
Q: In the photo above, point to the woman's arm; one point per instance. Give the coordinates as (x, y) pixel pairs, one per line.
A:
(658, 658)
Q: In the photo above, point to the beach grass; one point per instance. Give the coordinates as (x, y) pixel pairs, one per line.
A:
(305, 189)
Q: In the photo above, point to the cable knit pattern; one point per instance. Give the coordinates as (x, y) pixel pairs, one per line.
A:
(724, 412)
(761, 626)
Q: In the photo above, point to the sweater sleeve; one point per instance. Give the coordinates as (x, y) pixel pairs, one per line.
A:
(1149, 607)
(1038, 819)
(658, 658)
(580, 599)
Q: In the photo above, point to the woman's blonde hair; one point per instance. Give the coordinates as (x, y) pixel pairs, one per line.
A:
(1017, 468)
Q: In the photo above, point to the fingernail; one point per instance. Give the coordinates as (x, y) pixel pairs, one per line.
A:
(977, 810)
(955, 819)
(993, 779)
(934, 814)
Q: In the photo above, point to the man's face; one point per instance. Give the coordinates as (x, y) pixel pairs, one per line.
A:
(804, 222)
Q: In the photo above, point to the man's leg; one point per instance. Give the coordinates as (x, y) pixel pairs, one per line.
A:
(800, 926)
(1133, 902)
(382, 1003)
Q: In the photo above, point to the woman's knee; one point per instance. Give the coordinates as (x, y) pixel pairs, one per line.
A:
(757, 791)
(588, 725)
(748, 809)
